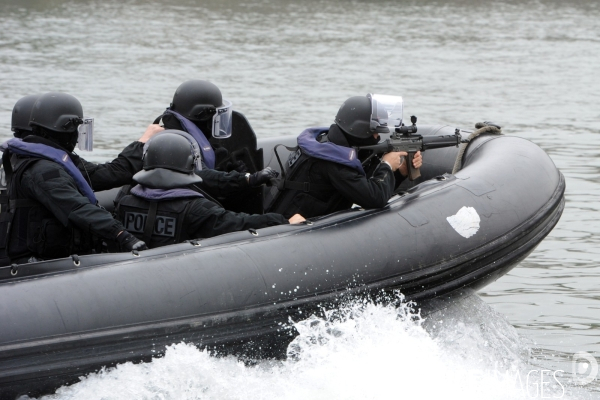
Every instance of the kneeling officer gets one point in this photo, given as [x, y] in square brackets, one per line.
[166, 208]
[326, 174]
[53, 211]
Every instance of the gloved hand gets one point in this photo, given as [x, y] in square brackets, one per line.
[128, 242]
[264, 176]
[238, 166]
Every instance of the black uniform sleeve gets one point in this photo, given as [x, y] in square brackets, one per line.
[373, 192]
[206, 219]
[48, 183]
[374, 164]
[219, 183]
[115, 173]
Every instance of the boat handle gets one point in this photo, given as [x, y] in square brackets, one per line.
[76, 261]
[14, 269]
[253, 232]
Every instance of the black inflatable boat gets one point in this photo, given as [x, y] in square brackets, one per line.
[446, 235]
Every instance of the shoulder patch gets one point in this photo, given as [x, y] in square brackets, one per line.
[51, 175]
[208, 205]
[293, 157]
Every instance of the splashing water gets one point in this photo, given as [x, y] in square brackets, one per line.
[359, 351]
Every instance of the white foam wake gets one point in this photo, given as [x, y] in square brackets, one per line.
[360, 351]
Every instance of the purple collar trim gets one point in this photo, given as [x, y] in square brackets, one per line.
[39, 150]
[162, 194]
[328, 151]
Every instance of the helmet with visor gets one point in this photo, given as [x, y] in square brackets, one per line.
[201, 102]
[61, 117]
[362, 116]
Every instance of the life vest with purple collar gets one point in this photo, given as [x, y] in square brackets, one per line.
[295, 176]
[163, 194]
[208, 154]
[39, 150]
[328, 151]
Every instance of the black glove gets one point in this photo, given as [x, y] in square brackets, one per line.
[128, 242]
[238, 166]
[264, 176]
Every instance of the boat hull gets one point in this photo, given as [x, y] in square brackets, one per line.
[237, 292]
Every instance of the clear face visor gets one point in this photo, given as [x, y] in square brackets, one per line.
[221, 122]
[386, 110]
[85, 138]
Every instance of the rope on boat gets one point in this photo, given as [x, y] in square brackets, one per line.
[482, 127]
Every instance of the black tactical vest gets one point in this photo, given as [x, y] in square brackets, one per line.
[28, 229]
[156, 223]
[295, 194]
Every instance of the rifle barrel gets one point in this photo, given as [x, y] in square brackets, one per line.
[437, 142]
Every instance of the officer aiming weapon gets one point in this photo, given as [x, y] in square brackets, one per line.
[404, 138]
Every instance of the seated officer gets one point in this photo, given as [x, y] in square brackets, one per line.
[199, 109]
[53, 210]
[326, 174]
[166, 208]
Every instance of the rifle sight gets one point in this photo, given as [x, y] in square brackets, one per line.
[408, 130]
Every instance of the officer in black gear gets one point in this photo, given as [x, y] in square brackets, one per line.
[196, 106]
[166, 207]
[333, 178]
[53, 211]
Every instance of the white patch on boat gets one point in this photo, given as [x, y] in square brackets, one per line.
[465, 222]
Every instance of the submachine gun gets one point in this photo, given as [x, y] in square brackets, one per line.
[404, 138]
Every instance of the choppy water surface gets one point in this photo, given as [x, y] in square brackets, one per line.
[528, 66]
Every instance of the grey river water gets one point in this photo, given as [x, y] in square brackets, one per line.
[527, 65]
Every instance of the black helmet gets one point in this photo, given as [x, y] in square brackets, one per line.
[195, 147]
[197, 100]
[169, 161]
[355, 118]
[21, 114]
[57, 112]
